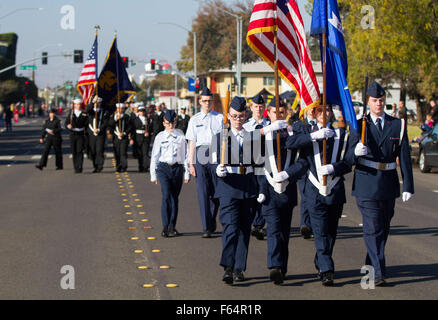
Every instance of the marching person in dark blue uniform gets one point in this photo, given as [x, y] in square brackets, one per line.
[97, 124]
[77, 122]
[203, 126]
[140, 138]
[237, 191]
[120, 126]
[169, 164]
[52, 135]
[324, 203]
[257, 121]
[376, 183]
[278, 192]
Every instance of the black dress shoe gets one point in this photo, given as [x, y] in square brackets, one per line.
[39, 167]
[238, 276]
[258, 233]
[228, 276]
[318, 275]
[380, 282]
[95, 170]
[165, 234]
[206, 234]
[118, 170]
[306, 232]
[173, 232]
[327, 278]
[276, 276]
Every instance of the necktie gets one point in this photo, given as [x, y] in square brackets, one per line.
[379, 125]
[314, 126]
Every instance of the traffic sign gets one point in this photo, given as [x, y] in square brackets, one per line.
[162, 71]
[31, 67]
[191, 84]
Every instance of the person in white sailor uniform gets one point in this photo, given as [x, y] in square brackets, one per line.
[324, 203]
[203, 126]
[257, 121]
[140, 138]
[77, 122]
[278, 192]
[97, 125]
[237, 191]
[52, 135]
[120, 126]
[169, 166]
[376, 183]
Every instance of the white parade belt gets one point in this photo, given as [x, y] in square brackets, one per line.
[239, 169]
[279, 187]
[78, 129]
[378, 165]
[140, 131]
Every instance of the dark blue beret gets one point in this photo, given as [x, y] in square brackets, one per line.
[238, 104]
[258, 99]
[272, 103]
[170, 115]
[205, 92]
[375, 90]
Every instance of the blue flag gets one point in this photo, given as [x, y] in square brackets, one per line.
[114, 79]
[326, 19]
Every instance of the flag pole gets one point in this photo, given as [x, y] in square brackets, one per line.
[324, 102]
[97, 79]
[117, 75]
[225, 133]
[277, 95]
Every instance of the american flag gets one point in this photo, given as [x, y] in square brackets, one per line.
[293, 54]
[88, 79]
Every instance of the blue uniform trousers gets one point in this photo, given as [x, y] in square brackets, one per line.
[235, 216]
[278, 222]
[324, 219]
[304, 212]
[205, 187]
[376, 216]
[171, 180]
[259, 221]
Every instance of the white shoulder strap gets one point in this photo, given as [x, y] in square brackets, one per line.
[402, 130]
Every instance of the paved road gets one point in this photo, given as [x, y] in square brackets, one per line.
[52, 219]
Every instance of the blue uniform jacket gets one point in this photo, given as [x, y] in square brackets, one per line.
[376, 184]
[295, 171]
[236, 186]
[301, 140]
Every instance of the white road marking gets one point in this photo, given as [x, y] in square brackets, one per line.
[7, 157]
[343, 216]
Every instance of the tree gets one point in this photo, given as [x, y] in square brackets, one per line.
[216, 36]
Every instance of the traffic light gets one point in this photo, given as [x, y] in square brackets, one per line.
[197, 86]
[153, 64]
[125, 62]
[78, 56]
[44, 58]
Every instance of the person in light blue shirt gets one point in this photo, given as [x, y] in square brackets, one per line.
[202, 127]
[169, 166]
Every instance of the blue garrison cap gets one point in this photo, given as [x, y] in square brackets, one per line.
[272, 103]
[205, 92]
[258, 99]
[170, 115]
[238, 104]
[375, 90]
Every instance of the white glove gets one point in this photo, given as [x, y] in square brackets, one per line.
[277, 125]
[281, 176]
[221, 171]
[406, 196]
[326, 170]
[261, 198]
[323, 133]
[360, 150]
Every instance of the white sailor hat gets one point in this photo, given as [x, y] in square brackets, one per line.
[77, 101]
[141, 108]
[120, 105]
[97, 99]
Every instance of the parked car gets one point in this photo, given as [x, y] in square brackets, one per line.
[428, 151]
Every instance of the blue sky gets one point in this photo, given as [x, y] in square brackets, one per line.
[138, 35]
